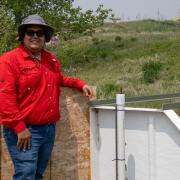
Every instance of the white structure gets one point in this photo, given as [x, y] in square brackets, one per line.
[152, 150]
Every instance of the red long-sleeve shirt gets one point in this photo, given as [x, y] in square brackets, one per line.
[30, 90]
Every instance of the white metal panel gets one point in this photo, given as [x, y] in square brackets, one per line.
[152, 144]
[136, 135]
[103, 147]
[168, 149]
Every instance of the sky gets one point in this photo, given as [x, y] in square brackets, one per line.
[136, 9]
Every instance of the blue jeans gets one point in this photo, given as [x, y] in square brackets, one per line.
[31, 164]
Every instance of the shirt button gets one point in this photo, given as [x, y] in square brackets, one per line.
[29, 88]
[51, 110]
[50, 97]
[46, 72]
[48, 85]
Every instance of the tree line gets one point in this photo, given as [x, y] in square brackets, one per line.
[60, 14]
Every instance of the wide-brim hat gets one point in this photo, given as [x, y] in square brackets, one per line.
[35, 20]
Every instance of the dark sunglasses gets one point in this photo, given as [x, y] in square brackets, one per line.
[38, 33]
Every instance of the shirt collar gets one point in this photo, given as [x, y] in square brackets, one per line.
[24, 52]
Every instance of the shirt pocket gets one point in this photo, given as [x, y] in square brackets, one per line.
[29, 78]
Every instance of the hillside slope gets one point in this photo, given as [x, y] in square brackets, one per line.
[142, 57]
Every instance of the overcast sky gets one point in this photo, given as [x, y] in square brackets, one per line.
[136, 9]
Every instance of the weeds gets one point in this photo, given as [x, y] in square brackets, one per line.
[151, 71]
[150, 54]
[118, 38]
[107, 89]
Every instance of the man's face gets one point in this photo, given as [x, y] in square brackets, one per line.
[34, 39]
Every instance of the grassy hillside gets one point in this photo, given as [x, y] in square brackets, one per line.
[142, 57]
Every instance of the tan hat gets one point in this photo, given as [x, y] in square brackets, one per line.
[34, 20]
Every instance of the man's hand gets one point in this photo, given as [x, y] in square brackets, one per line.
[24, 141]
[88, 90]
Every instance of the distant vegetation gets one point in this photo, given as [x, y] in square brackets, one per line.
[142, 57]
[68, 21]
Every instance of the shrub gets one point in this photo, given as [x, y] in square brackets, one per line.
[120, 45]
[118, 38]
[7, 31]
[107, 90]
[95, 40]
[151, 70]
[103, 54]
[133, 39]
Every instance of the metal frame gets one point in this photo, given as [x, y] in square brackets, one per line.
[135, 99]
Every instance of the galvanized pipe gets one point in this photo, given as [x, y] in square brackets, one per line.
[120, 137]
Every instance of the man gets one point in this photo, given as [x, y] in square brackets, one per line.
[30, 81]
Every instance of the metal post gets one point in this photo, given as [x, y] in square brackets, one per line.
[120, 137]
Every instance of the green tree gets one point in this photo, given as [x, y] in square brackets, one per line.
[60, 14]
[7, 33]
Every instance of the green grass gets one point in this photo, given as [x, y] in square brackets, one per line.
[114, 56]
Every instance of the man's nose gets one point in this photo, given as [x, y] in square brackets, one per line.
[35, 35]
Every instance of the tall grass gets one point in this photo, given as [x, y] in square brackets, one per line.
[151, 71]
[115, 55]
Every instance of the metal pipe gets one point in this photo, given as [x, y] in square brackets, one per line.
[116, 145]
[120, 137]
[136, 99]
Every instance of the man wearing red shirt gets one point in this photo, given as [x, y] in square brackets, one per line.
[30, 81]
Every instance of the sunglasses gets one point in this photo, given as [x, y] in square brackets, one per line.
[38, 33]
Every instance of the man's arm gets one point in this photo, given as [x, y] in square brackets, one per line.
[78, 84]
[10, 116]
